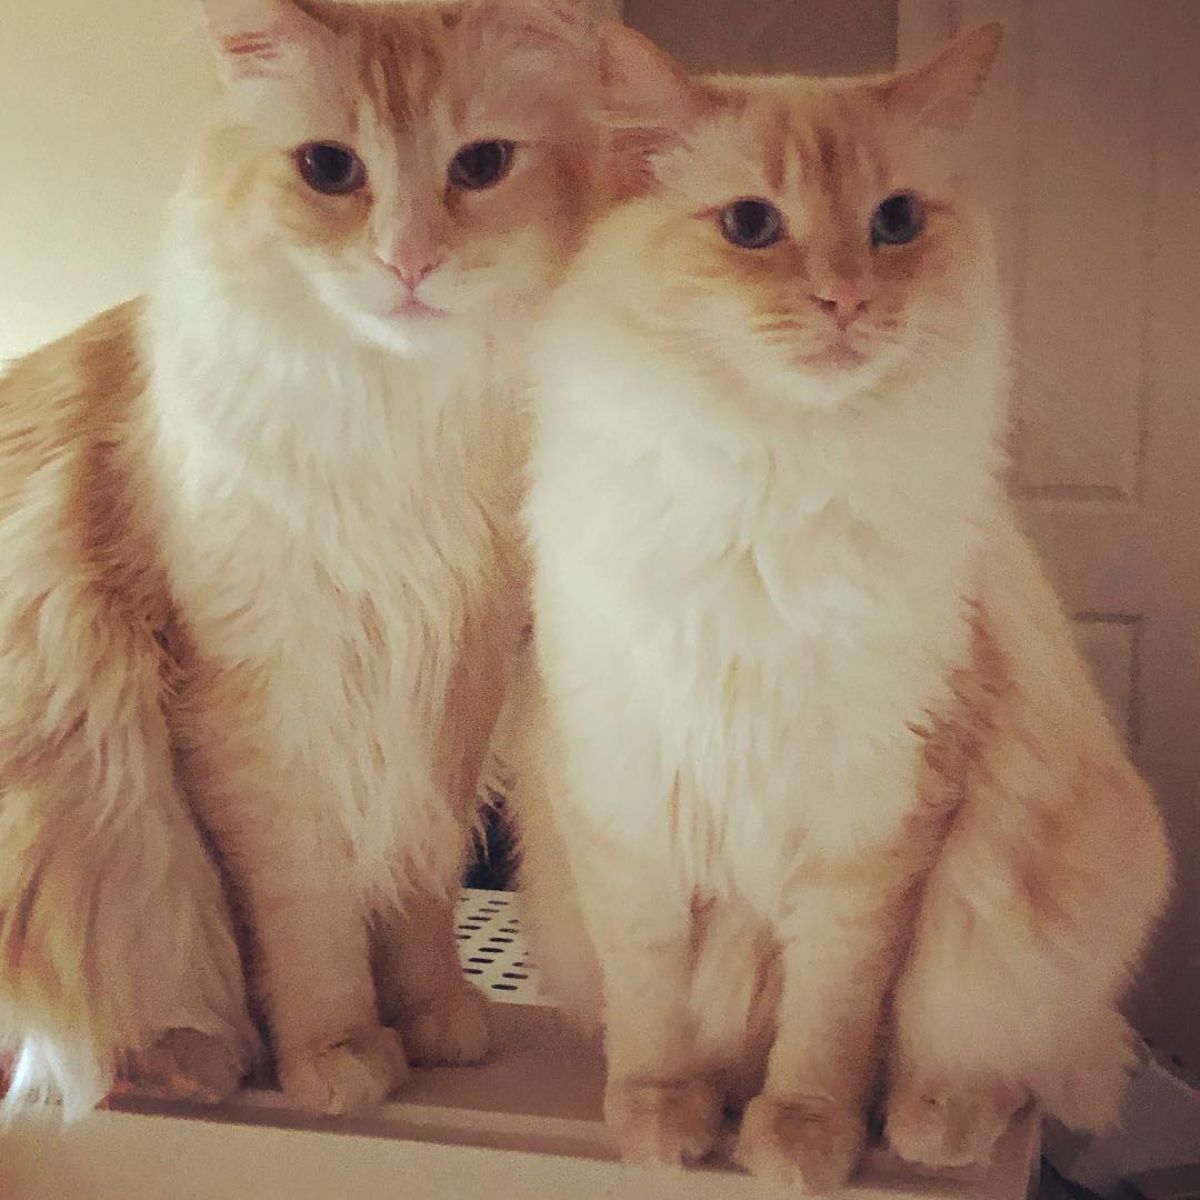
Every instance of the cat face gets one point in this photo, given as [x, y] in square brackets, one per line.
[809, 233]
[416, 167]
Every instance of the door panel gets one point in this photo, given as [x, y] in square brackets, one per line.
[1087, 148]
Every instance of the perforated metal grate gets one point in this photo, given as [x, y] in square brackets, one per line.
[492, 950]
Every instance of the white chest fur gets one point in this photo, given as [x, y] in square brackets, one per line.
[776, 606]
[333, 517]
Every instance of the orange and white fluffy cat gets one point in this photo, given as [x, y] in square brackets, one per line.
[260, 574]
[812, 730]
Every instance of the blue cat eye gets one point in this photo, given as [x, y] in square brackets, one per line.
[898, 220]
[330, 168]
[751, 224]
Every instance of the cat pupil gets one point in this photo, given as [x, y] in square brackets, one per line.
[752, 224]
[481, 164]
[897, 220]
[330, 168]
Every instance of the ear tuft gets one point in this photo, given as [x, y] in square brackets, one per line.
[262, 39]
[649, 100]
[642, 85]
[942, 94]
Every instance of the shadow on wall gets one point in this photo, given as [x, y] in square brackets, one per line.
[812, 37]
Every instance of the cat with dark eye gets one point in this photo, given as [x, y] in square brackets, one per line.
[898, 220]
[481, 165]
[751, 224]
[335, 170]
[330, 168]
[755, 224]
[277, 575]
[808, 706]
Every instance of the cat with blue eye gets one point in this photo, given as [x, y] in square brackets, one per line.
[816, 799]
[263, 573]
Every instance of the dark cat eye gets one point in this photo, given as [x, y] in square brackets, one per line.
[752, 224]
[481, 165]
[898, 220]
[330, 168]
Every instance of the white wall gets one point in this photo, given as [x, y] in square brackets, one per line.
[99, 101]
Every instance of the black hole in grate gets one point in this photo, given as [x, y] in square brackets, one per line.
[507, 941]
[472, 971]
[514, 975]
[474, 959]
[504, 987]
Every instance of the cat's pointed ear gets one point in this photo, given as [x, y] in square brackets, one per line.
[942, 93]
[263, 39]
[644, 88]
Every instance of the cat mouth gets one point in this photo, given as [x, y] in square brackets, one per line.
[412, 308]
[839, 353]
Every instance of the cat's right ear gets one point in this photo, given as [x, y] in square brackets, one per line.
[650, 101]
[262, 40]
[942, 93]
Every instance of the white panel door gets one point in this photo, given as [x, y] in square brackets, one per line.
[1088, 150]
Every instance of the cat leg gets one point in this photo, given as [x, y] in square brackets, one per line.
[551, 918]
[955, 1077]
[423, 993]
[422, 990]
[949, 1120]
[312, 969]
[807, 1128]
[658, 1106]
[120, 967]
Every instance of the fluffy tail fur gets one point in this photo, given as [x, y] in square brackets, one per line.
[113, 926]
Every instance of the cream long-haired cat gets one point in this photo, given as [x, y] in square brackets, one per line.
[260, 570]
[801, 672]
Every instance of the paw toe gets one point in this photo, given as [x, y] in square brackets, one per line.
[812, 1147]
[453, 1033]
[353, 1074]
[663, 1124]
[950, 1127]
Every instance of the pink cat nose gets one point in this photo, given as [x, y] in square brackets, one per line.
[845, 300]
[414, 264]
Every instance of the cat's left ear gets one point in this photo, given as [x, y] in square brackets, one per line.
[942, 93]
[264, 39]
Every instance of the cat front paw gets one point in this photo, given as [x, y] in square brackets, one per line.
[663, 1124]
[184, 1064]
[944, 1124]
[351, 1075]
[808, 1145]
[451, 1032]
